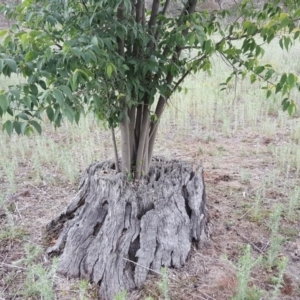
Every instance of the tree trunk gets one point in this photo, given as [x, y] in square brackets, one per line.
[114, 231]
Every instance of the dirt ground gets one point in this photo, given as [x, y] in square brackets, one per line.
[210, 273]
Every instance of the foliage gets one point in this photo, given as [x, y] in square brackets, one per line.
[122, 61]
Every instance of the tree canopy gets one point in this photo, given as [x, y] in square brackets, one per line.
[122, 60]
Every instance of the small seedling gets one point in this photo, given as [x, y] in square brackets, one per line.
[163, 284]
[275, 240]
[244, 267]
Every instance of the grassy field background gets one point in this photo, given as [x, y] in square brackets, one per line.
[251, 156]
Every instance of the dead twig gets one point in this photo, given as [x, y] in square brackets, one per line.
[247, 240]
[44, 192]
[173, 279]
[12, 266]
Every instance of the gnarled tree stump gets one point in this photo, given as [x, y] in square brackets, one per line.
[114, 231]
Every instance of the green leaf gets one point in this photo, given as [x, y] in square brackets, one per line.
[191, 37]
[58, 95]
[15, 93]
[259, 69]
[291, 108]
[287, 42]
[33, 100]
[67, 91]
[281, 43]
[94, 41]
[252, 78]
[34, 89]
[17, 127]
[31, 55]
[48, 53]
[50, 113]
[42, 84]
[291, 80]
[283, 79]
[278, 88]
[269, 92]
[285, 103]
[7, 40]
[3, 32]
[97, 101]
[77, 117]
[4, 103]
[26, 89]
[68, 112]
[8, 125]
[27, 101]
[11, 63]
[228, 79]
[36, 125]
[109, 70]
[23, 116]
[28, 130]
[77, 52]
[269, 74]
[23, 127]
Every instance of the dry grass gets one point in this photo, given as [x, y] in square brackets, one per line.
[250, 152]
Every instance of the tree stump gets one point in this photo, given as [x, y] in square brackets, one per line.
[114, 231]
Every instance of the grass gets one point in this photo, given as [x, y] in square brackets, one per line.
[237, 134]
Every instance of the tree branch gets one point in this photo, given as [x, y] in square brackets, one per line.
[154, 12]
[115, 149]
[84, 5]
[132, 124]
[120, 15]
[162, 13]
[144, 135]
[139, 11]
[152, 22]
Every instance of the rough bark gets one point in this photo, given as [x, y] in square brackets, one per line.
[113, 231]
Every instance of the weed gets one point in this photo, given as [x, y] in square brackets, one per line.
[83, 287]
[32, 252]
[245, 175]
[209, 139]
[221, 149]
[200, 150]
[244, 267]
[163, 284]
[278, 281]
[256, 214]
[121, 296]
[39, 281]
[293, 204]
[10, 231]
[275, 239]
[290, 232]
